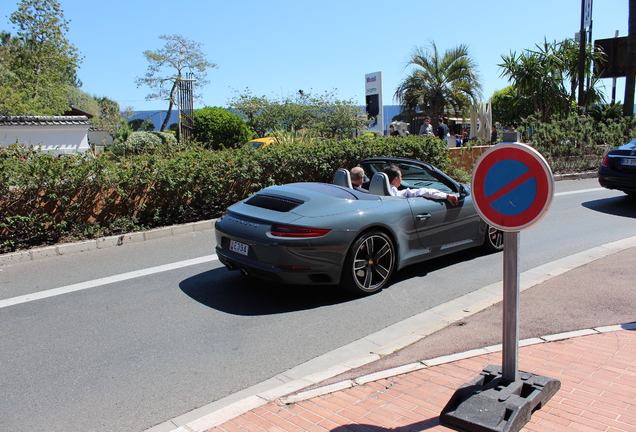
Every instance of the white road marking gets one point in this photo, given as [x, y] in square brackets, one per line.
[104, 281]
[580, 191]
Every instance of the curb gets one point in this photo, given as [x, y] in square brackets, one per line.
[576, 176]
[104, 242]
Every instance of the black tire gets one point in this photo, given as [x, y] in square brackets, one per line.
[369, 264]
[494, 240]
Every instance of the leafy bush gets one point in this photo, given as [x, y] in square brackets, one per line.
[576, 143]
[145, 142]
[217, 128]
[142, 125]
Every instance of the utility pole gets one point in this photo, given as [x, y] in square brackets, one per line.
[582, 43]
[630, 67]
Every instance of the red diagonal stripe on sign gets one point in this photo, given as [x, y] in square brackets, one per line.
[510, 186]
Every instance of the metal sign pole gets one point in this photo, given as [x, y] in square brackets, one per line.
[510, 306]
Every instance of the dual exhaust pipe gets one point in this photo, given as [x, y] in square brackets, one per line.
[232, 266]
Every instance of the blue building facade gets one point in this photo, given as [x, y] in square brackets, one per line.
[156, 117]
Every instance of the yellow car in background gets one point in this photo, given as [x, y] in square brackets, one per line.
[263, 142]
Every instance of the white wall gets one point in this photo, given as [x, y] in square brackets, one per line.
[57, 139]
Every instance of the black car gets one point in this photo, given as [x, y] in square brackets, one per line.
[618, 169]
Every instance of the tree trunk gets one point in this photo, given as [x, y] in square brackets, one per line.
[630, 69]
[173, 91]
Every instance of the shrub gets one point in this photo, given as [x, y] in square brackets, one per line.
[217, 128]
[576, 143]
[167, 138]
[146, 143]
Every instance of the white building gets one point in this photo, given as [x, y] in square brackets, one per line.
[54, 134]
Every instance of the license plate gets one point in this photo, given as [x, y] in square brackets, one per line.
[238, 247]
[626, 161]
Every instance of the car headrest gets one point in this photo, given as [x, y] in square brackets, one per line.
[342, 178]
[380, 185]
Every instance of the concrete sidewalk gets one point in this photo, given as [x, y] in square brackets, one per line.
[596, 368]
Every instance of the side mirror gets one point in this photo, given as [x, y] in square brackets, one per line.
[464, 191]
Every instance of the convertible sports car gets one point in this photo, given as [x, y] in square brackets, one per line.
[320, 233]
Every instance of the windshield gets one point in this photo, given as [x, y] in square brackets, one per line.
[413, 176]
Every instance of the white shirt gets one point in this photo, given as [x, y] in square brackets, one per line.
[421, 192]
[426, 129]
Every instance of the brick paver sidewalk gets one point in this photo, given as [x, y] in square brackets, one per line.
[598, 393]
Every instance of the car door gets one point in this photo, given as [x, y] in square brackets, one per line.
[442, 227]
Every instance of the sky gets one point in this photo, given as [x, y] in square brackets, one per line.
[276, 47]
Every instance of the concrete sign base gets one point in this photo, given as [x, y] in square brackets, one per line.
[490, 403]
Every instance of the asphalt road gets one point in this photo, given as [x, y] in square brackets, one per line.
[136, 350]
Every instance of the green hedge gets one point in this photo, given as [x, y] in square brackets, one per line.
[576, 144]
[45, 199]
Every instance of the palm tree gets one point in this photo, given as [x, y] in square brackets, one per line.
[439, 84]
[539, 76]
[548, 77]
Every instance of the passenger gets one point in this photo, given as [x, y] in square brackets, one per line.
[357, 179]
[395, 179]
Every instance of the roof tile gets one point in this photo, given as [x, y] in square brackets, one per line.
[43, 120]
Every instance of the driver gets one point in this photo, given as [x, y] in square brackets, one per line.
[395, 179]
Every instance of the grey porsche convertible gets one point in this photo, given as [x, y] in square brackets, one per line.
[324, 233]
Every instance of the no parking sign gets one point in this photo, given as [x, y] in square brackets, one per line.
[512, 186]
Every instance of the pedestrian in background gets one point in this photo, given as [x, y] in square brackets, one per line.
[442, 129]
[493, 135]
[427, 128]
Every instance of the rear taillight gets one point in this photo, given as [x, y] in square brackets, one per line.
[605, 161]
[298, 232]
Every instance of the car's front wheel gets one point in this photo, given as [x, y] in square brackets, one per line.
[369, 264]
[494, 241]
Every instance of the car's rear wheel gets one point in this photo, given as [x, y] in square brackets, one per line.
[494, 241]
[369, 264]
